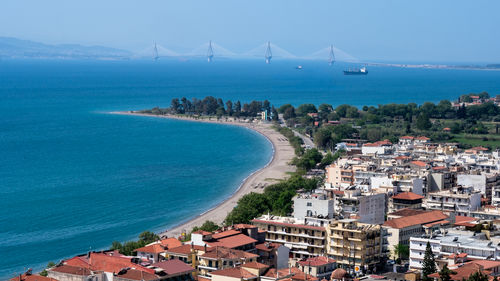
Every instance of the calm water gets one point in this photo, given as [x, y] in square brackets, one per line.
[74, 178]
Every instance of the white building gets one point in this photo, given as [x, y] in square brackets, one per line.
[460, 202]
[370, 207]
[312, 205]
[447, 244]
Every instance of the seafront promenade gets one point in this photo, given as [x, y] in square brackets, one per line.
[277, 169]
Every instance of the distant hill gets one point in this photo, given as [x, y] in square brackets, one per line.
[17, 48]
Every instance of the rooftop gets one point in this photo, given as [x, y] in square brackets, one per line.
[407, 196]
[420, 219]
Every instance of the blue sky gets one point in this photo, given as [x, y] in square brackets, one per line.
[397, 30]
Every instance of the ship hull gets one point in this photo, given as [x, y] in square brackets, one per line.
[355, 72]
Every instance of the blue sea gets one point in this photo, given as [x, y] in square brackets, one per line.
[74, 178]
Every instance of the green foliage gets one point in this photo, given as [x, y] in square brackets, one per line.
[128, 248]
[428, 265]
[306, 108]
[289, 113]
[209, 226]
[308, 160]
[329, 136]
[445, 273]
[44, 271]
[401, 251]
[423, 122]
[330, 158]
[294, 140]
[478, 276]
[276, 199]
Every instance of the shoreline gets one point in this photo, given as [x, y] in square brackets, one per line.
[276, 169]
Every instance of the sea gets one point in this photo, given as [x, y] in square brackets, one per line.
[74, 178]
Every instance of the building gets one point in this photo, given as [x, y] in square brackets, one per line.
[405, 200]
[377, 148]
[368, 207]
[218, 258]
[460, 201]
[312, 205]
[400, 230]
[273, 254]
[319, 267]
[302, 239]
[29, 276]
[112, 266]
[356, 247]
[448, 244]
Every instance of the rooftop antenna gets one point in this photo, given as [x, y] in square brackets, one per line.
[269, 54]
[155, 52]
[210, 52]
[331, 59]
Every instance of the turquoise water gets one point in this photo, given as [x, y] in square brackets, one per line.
[73, 178]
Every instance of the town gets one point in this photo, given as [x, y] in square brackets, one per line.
[404, 209]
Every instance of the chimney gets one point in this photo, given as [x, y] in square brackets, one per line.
[192, 245]
[205, 247]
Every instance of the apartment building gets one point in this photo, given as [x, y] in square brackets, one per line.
[356, 247]
[405, 200]
[313, 205]
[459, 200]
[368, 207]
[448, 244]
[302, 239]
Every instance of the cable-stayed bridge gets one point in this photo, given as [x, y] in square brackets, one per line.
[324, 54]
[156, 51]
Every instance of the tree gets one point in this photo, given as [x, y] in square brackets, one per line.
[401, 251]
[49, 265]
[445, 273]
[309, 160]
[229, 108]
[237, 108]
[274, 114]
[174, 106]
[148, 237]
[289, 113]
[429, 265]
[284, 107]
[209, 226]
[478, 276]
[303, 109]
[423, 122]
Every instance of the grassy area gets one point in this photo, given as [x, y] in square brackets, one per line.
[490, 141]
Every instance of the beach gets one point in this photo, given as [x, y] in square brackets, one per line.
[277, 169]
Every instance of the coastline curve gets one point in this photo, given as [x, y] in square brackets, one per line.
[277, 168]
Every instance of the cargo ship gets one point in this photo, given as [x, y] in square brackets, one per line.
[356, 71]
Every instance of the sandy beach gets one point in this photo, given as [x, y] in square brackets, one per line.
[277, 169]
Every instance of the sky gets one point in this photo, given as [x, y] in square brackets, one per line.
[372, 30]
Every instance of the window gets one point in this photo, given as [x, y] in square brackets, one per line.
[309, 204]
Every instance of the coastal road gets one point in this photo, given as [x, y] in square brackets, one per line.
[307, 141]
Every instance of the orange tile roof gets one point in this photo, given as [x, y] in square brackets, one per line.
[437, 168]
[153, 248]
[406, 212]
[464, 271]
[171, 242]
[407, 196]
[420, 219]
[99, 261]
[134, 274]
[441, 222]
[228, 254]
[75, 270]
[267, 247]
[486, 264]
[255, 264]
[244, 226]
[174, 267]
[479, 148]
[317, 261]
[422, 138]
[235, 272]
[225, 233]
[406, 138]
[419, 163]
[184, 249]
[234, 241]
